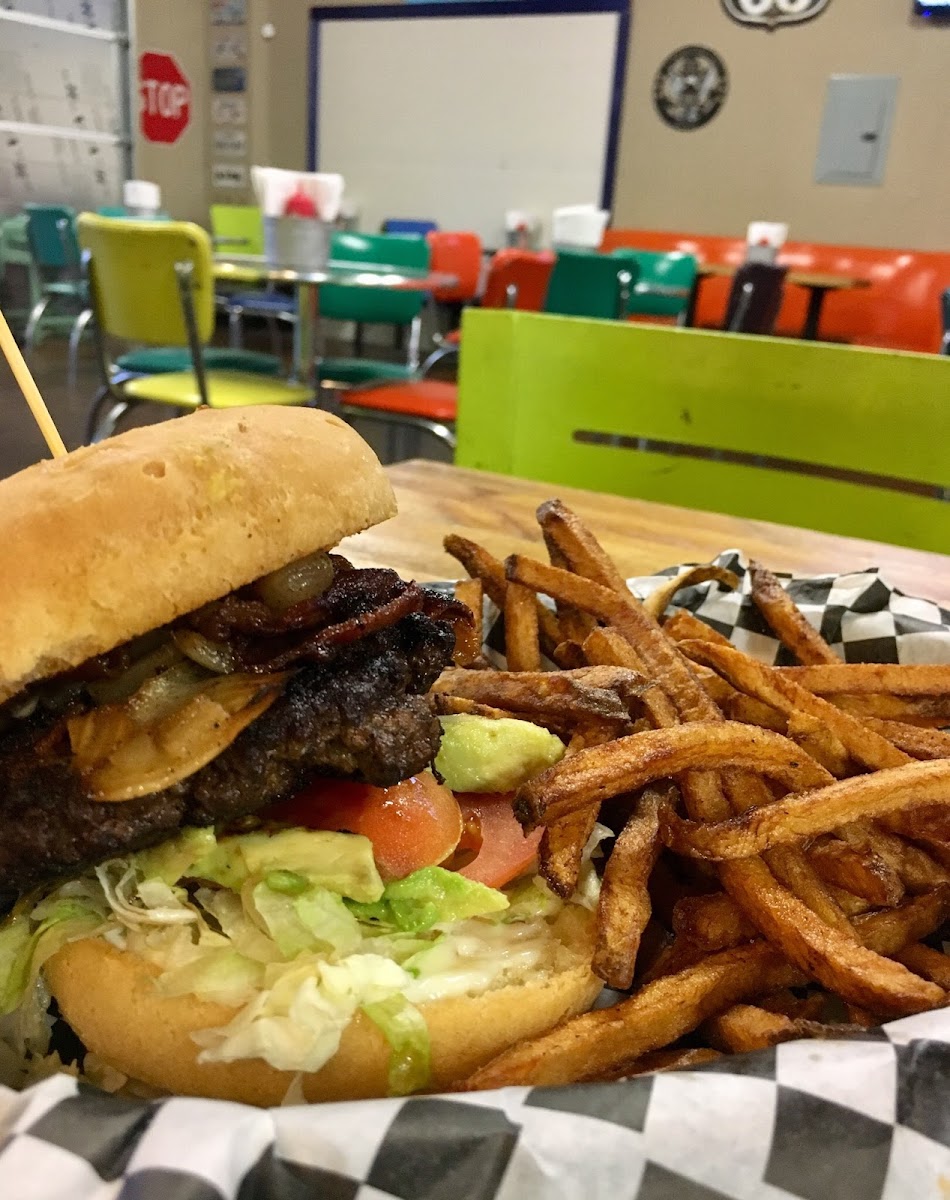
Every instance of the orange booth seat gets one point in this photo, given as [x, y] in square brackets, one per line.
[900, 310]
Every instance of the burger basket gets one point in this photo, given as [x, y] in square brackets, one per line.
[862, 1118]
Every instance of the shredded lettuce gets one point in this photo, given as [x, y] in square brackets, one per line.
[25, 946]
[402, 1025]
[429, 897]
[292, 930]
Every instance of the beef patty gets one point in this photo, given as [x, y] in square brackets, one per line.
[364, 715]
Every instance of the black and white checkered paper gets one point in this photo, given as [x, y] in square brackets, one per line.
[867, 1118]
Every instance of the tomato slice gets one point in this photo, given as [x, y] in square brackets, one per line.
[413, 824]
[503, 850]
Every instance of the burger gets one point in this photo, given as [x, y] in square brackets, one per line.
[231, 860]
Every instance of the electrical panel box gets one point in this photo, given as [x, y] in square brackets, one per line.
[856, 129]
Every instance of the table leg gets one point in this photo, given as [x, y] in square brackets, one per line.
[305, 335]
[816, 298]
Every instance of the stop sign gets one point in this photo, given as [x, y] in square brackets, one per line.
[166, 97]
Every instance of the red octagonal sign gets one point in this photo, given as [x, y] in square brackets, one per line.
[166, 97]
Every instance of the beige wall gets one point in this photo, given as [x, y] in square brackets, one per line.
[754, 160]
[178, 27]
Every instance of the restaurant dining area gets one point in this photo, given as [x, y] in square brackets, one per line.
[475, 622]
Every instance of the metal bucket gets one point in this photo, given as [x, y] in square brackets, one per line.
[297, 243]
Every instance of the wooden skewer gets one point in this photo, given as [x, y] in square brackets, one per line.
[21, 372]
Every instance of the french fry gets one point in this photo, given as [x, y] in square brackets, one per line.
[660, 599]
[931, 964]
[624, 907]
[448, 706]
[748, 710]
[745, 1027]
[656, 1015]
[807, 1008]
[819, 741]
[630, 763]
[601, 693]
[786, 620]
[682, 625]
[796, 817]
[561, 848]
[866, 746]
[856, 679]
[656, 1061]
[468, 639]
[481, 565]
[863, 874]
[522, 650]
[780, 690]
[928, 712]
[912, 739]
[712, 922]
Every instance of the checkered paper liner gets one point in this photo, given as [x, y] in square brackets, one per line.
[866, 1118]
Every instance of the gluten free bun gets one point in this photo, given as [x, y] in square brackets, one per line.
[116, 539]
[109, 998]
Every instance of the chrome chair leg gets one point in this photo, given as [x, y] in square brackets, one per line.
[436, 356]
[75, 336]
[33, 321]
[235, 327]
[106, 413]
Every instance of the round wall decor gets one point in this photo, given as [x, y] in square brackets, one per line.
[772, 13]
[690, 87]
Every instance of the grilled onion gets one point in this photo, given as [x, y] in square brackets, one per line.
[301, 580]
[120, 757]
[213, 656]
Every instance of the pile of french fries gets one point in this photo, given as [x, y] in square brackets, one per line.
[782, 835]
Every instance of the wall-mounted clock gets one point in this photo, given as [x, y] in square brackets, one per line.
[690, 87]
[772, 13]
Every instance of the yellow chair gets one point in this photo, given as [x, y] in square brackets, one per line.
[152, 282]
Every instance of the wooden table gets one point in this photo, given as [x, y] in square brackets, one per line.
[817, 283]
[498, 511]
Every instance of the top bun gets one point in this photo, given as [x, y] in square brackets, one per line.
[116, 539]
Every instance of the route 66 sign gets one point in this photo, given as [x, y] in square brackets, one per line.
[771, 13]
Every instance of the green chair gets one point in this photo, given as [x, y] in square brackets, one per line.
[587, 284]
[810, 434]
[152, 282]
[51, 233]
[239, 228]
[378, 253]
[15, 252]
[664, 284]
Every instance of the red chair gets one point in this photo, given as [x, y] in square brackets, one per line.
[516, 279]
[458, 254]
[428, 405]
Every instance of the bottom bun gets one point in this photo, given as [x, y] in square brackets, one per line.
[109, 998]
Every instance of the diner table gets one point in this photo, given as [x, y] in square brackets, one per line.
[817, 283]
[642, 537]
[252, 268]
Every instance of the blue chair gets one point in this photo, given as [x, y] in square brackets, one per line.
[51, 233]
[405, 226]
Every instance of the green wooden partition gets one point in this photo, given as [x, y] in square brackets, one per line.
[689, 417]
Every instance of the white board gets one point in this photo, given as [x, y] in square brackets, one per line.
[458, 119]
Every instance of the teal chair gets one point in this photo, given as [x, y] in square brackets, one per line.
[587, 284]
[664, 284]
[810, 434]
[374, 306]
[51, 233]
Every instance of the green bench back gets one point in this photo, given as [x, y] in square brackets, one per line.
[688, 417]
